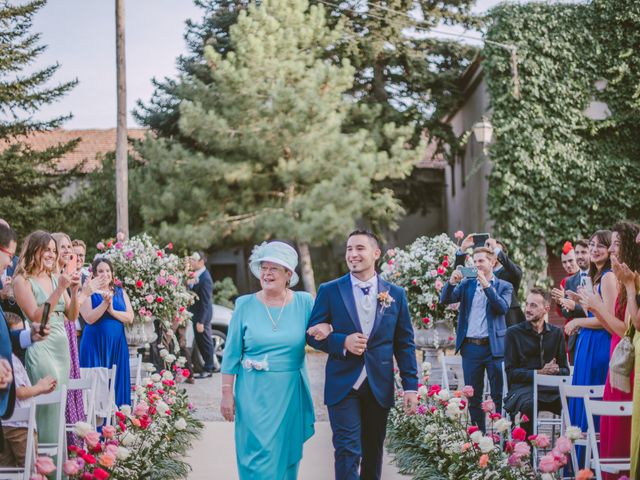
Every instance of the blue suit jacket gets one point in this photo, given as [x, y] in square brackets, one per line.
[498, 301]
[392, 335]
[202, 309]
[8, 395]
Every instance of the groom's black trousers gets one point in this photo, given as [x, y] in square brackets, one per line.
[359, 427]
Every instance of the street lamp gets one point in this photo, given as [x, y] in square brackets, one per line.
[483, 131]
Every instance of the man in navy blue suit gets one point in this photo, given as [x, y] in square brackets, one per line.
[371, 325]
[484, 302]
[202, 310]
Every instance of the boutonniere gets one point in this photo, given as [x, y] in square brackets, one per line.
[385, 300]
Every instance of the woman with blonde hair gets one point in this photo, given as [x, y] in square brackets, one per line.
[75, 407]
[36, 283]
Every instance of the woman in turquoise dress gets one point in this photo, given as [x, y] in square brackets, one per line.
[104, 343]
[34, 284]
[264, 360]
[592, 348]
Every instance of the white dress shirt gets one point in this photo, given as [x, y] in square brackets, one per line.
[366, 307]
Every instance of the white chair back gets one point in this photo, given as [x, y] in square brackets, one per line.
[88, 387]
[58, 449]
[104, 391]
[450, 364]
[546, 381]
[135, 369]
[578, 391]
[28, 415]
[599, 408]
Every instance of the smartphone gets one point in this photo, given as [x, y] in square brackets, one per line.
[72, 265]
[469, 272]
[45, 317]
[479, 239]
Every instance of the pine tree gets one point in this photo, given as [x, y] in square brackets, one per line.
[261, 150]
[31, 187]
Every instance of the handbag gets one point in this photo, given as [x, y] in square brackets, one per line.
[622, 360]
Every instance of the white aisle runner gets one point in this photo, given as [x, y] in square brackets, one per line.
[214, 456]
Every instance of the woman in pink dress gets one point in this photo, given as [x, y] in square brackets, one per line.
[615, 432]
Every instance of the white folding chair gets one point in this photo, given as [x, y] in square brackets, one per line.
[135, 372]
[578, 391]
[505, 390]
[599, 408]
[554, 422]
[26, 414]
[104, 392]
[58, 449]
[451, 364]
[88, 387]
[112, 394]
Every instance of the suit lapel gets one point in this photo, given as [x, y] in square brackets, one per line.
[383, 286]
[346, 292]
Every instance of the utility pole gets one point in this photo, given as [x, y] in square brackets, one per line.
[122, 175]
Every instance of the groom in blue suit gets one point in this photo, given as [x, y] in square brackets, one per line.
[371, 326]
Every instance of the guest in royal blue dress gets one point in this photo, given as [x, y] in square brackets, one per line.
[103, 341]
[592, 348]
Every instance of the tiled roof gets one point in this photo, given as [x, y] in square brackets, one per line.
[93, 144]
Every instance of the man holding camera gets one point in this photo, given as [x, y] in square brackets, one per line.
[484, 301]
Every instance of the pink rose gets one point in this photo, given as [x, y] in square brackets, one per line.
[547, 464]
[120, 236]
[45, 465]
[111, 449]
[129, 254]
[439, 285]
[488, 406]
[119, 245]
[522, 449]
[563, 444]
[107, 460]
[108, 431]
[434, 273]
[162, 281]
[514, 460]
[100, 246]
[391, 252]
[459, 235]
[149, 298]
[519, 434]
[141, 409]
[542, 441]
[70, 467]
[467, 391]
[92, 439]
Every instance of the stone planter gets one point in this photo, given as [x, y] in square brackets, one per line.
[433, 342]
[140, 334]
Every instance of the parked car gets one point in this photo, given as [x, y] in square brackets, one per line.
[219, 327]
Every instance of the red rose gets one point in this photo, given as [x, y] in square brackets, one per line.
[100, 474]
[524, 418]
[86, 476]
[181, 309]
[519, 434]
[87, 457]
[441, 270]
[109, 243]
[446, 257]
[139, 284]
[121, 416]
[122, 426]
[159, 253]
[445, 263]
[425, 320]
[159, 299]
[471, 429]
[170, 246]
[414, 282]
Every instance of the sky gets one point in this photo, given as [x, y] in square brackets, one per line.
[80, 36]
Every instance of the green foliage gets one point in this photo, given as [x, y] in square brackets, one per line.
[261, 150]
[31, 189]
[224, 292]
[557, 174]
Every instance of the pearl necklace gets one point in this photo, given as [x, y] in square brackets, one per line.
[275, 323]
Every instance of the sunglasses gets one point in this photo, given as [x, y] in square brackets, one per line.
[10, 254]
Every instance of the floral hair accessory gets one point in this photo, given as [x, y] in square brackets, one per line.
[385, 300]
[566, 248]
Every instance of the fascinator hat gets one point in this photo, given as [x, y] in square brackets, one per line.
[274, 252]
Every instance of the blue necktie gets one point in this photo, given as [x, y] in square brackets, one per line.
[365, 290]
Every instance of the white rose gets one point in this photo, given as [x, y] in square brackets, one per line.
[141, 391]
[82, 428]
[423, 391]
[146, 380]
[181, 424]
[476, 436]
[122, 453]
[182, 361]
[503, 425]
[162, 408]
[149, 367]
[444, 395]
[573, 433]
[547, 476]
[126, 409]
[155, 378]
[485, 444]
[167, 375]
[163, 353]
[170, 358]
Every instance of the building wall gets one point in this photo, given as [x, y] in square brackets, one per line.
[466, 180]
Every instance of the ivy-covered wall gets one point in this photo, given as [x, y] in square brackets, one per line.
[557, 174]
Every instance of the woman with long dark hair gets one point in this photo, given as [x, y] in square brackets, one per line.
[104, 343]
[592, 346]
[615, 432]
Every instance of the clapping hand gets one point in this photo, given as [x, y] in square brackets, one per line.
[572, 326]
[557, 294]
[623, 273]
[6, 373]
[589, 300]
[320, 331]
[482, 279]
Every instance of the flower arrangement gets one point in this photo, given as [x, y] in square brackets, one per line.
[154, 279]
[422, 268]
[148, 441]
[439, 442]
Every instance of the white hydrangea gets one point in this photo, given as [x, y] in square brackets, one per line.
[122, 453]
[476, 436]
[82, 428]
[573, 433]
[503, 425]
[181, 424]
[167, 375]
[128, 438]
[155, 378]
[126, 409]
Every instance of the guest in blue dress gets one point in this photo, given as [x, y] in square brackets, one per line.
[264, 358]
[104, 343]
[592, 347]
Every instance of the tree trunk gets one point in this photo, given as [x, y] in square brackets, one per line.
[306, 267]
[122, 176]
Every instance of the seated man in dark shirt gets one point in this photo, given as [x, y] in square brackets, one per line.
[533, 346]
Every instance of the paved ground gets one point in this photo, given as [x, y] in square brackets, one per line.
[213, 455]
